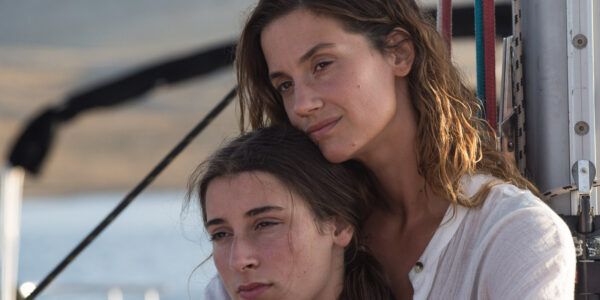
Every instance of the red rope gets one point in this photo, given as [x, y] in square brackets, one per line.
[444, 22]
[489, 41]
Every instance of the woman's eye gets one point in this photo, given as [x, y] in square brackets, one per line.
[284, 86]
[265, 224]
[219, 236]
[322, 65]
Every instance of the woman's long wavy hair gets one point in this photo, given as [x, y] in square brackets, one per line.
[452, 140]
[346, 191]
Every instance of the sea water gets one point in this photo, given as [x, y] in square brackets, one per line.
[151, 247]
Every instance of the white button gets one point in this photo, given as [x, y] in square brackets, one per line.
[418, 267]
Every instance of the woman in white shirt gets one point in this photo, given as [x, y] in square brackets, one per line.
[372, 81]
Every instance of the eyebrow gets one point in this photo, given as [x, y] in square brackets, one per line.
[262, 210]
[250, 213]
[305, 57]
[313, 50]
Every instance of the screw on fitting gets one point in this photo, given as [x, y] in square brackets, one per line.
[582, 128]
[580, 41]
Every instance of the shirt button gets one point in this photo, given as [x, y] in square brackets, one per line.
[418, 267]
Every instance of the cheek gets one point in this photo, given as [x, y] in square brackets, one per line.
[221, 260]
[309, 249]
[288, 106]
[277, 254]
[376, 99]
[280, 261]
[377, 85]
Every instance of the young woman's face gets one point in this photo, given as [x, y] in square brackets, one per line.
[268, 246]
[335, 86]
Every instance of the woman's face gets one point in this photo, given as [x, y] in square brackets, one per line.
[266, 246]
[335, 86]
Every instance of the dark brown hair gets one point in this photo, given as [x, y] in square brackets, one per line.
[452, 140]
[347, 191]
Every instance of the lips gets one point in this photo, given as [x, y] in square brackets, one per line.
[320, 129]
[252, 290]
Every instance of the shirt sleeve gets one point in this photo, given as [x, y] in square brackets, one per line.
[530, 255]
[215, 290]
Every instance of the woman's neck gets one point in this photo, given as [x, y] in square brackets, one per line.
[404, 187]
[394, 162]
[392, 156]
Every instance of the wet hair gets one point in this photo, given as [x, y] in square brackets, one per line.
[452, 140]
[346, 191]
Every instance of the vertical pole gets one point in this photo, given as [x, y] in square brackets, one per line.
[581, 43]
[480, 55]
[489, 41]
[560, 61]
[518, 96]
[544, 35]
[580, 58]
[11, 188]
[444, 22]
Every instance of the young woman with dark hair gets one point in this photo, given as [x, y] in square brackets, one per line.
[285, 222]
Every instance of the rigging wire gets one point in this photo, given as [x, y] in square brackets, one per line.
[134, 193]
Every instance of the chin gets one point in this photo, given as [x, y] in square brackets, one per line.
[334, 155]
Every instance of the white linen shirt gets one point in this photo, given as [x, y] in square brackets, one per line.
[511, 247]
[215, 290]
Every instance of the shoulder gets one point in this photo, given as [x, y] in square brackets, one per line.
[518, 233]
[506, 203]
[518, 217]
[512, 215]
[215, 290]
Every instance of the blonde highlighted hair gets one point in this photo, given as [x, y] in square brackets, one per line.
[452, 141]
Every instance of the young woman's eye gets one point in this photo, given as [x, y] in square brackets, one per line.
[322, 65]
[265, 224]
[284, 86]
[217, 236]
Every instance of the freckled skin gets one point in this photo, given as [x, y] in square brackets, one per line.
[358, 85]
[282, 249]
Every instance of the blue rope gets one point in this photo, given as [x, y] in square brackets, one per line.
[480, 55]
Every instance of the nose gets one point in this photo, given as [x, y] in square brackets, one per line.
[243, 255]
[306, 99]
